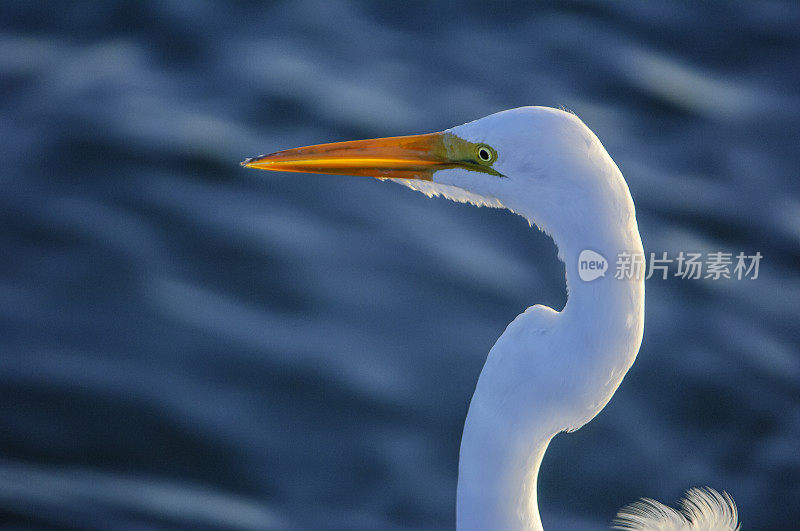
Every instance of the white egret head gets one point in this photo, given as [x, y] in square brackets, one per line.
[546, 165]
[542, 163]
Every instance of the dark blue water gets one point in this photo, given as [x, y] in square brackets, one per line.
[188, 344]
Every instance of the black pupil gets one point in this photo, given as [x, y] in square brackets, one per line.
[484, 154]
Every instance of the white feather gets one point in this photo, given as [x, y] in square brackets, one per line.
[453, 193]
[702, 509]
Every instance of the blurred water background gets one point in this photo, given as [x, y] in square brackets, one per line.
[188, 344]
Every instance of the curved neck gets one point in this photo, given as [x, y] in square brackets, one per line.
[497, 478]
[550, 372]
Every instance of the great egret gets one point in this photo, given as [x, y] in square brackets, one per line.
[549, 371]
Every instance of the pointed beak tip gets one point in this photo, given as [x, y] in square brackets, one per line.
[247, 163]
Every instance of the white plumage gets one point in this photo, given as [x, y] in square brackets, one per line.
[700, 510]
[554, 371]
[550, 371]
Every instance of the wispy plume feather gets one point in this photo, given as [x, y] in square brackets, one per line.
[701, 509]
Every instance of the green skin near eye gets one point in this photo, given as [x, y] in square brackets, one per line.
[467, 154]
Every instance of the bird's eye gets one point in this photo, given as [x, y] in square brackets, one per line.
[485, 153]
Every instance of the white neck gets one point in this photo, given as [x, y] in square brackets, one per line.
[551, 371]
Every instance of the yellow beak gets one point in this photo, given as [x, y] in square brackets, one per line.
[400, 157]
